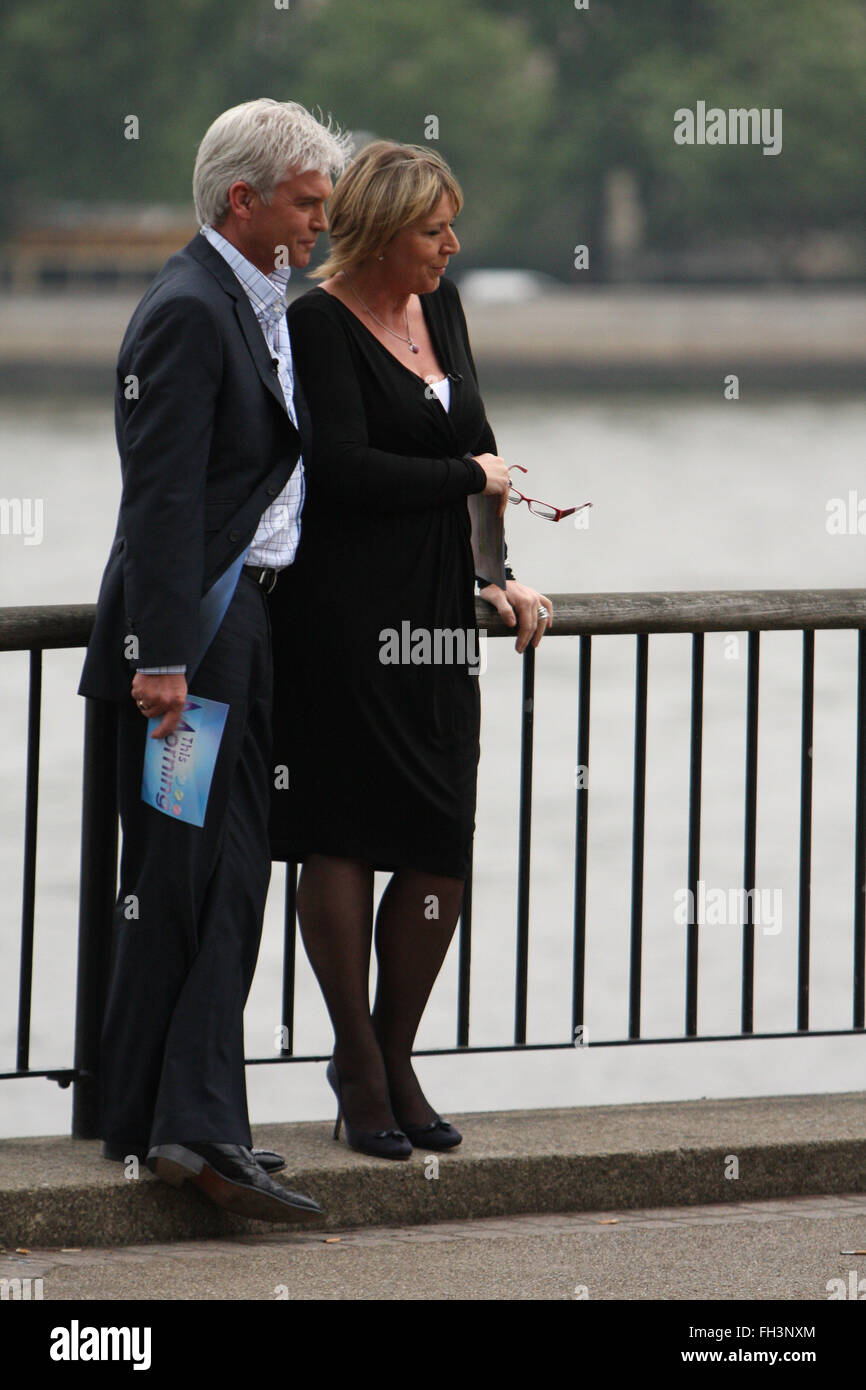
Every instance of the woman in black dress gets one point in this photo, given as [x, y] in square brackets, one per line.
[376, 709]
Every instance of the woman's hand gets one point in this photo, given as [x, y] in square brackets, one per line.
[498, 480]
[521, 606]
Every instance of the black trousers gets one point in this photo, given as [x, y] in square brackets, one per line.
[188, 918]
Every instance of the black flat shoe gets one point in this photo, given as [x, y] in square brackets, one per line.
[267, 1159]
[230, 1177]
[438, 1134]
[382, 1143]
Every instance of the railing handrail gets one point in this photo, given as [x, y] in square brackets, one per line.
[628, 613]
[49, 626]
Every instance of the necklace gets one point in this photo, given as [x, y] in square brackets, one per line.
[413, 347]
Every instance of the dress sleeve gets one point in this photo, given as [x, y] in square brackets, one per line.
[351, 475]
[486, 443]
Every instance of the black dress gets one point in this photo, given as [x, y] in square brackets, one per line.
[380, 755]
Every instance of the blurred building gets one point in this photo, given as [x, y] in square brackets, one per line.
[81, 245]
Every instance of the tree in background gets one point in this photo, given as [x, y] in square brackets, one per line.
[71, 74]
[536, 103]
[623, 68]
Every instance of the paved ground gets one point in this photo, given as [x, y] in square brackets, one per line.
[784, 1249]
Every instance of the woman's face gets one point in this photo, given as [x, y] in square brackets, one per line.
[417, 256]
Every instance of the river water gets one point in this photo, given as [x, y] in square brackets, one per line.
[688, 493]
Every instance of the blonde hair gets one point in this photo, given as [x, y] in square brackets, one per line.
[385, 188]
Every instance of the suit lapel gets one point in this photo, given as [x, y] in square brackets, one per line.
[255, 340]
[201, 249]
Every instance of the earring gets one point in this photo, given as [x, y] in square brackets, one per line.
[382, 257]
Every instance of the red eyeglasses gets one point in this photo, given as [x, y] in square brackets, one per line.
[542, 509]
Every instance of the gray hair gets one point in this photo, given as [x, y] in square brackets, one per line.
[262, 142]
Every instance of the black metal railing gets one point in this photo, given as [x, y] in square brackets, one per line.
[581, 616]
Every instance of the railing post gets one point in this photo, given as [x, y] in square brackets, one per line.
[287, 1023]
[859, 1000]
[96, 908]
[637, 838]
[581, 832]
[747, 1020]
[28, 892]
[524, 844]
[805, 880]
[696, 744]
[464, 960]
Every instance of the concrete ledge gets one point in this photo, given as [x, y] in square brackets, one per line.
[61, 1192]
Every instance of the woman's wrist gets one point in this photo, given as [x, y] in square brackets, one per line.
[476, 471]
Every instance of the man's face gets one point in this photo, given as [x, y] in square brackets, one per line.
[286, 227]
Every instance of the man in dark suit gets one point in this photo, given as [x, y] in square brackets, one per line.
[211, 430]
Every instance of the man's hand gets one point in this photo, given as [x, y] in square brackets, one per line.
[520, 607]
[160, 695]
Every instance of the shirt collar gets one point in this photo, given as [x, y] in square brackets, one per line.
[266, 293]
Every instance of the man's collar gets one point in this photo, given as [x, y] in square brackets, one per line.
[269, 290]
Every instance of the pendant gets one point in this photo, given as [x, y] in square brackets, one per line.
[413, 348]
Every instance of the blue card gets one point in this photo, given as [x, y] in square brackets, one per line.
[178, 769]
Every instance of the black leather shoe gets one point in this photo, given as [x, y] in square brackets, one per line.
[231, 1178]
[266, 1158]
[438, 1134]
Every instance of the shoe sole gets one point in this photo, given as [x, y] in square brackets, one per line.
[175, 1166]
[374, 1153]
[442, 1146]
[115, 1155]
[434, 1148]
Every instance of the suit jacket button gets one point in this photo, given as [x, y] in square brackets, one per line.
[234, 535]
[272, 491]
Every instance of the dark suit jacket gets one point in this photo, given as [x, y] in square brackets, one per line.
[206, 444]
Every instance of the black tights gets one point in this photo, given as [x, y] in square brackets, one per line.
[414, 926]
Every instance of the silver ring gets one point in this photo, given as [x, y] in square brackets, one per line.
[543, 613]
